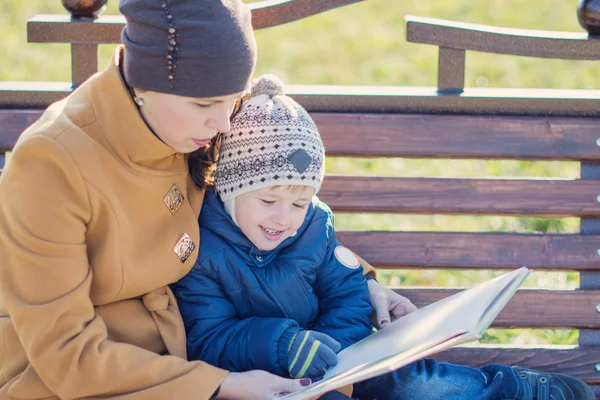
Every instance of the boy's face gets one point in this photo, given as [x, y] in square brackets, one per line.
[269, 216]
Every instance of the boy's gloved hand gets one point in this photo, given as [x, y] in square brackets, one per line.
[311, 353]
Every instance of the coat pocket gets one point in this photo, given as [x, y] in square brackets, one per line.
[129, 321]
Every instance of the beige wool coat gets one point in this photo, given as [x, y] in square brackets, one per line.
[91, 227]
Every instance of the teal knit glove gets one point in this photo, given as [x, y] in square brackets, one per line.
[311, 353]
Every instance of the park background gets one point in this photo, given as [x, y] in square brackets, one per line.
[365, 44]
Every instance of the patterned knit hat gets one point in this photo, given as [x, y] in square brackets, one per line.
[272, 141]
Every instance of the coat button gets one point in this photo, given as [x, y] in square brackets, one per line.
[259, 258]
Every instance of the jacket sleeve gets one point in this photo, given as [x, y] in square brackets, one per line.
[344, 302]
[217, 336]
[45, 283]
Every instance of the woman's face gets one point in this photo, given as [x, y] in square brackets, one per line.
[186, 123]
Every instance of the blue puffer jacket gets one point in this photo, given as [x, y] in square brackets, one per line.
[239, 302]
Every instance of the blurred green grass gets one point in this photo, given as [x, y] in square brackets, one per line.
[364, 44]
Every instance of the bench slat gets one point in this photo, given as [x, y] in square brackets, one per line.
[578, 362]
[493, 39]
[457, 250]
[530, 308]
[106, 29]
[13, 123]
[535, 197]
[459, 136]
[423, 136]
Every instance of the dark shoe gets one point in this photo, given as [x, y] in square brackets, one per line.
[543, 386]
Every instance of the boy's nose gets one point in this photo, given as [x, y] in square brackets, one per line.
[282, 217]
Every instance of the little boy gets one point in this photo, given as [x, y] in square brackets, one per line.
[273, 289]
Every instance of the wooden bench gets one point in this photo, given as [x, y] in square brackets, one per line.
[447, 122]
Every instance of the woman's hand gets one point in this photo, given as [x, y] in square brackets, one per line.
[387, 303]
[258, 385]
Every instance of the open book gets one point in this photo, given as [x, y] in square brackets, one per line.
[457, 319]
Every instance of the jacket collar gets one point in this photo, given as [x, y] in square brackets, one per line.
[123, 126]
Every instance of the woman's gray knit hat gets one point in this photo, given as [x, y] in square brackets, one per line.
[272, 141]
[195, 48]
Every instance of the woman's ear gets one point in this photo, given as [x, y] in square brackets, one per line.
[137, 97]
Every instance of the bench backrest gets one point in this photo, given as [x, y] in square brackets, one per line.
[482, 137]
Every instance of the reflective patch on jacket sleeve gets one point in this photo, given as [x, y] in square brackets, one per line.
[346, 257]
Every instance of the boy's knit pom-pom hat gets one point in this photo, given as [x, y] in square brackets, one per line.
[272, 141]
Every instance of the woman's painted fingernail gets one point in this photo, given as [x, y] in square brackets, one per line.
[305, 382]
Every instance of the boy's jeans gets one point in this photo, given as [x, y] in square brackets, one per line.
[431, 380]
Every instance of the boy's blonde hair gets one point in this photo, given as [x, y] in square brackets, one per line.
[295, 189]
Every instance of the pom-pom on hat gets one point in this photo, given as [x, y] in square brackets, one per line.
[272, 141]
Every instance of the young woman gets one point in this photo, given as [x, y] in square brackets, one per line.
[98, 215]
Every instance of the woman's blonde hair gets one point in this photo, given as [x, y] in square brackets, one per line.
[203, 162]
